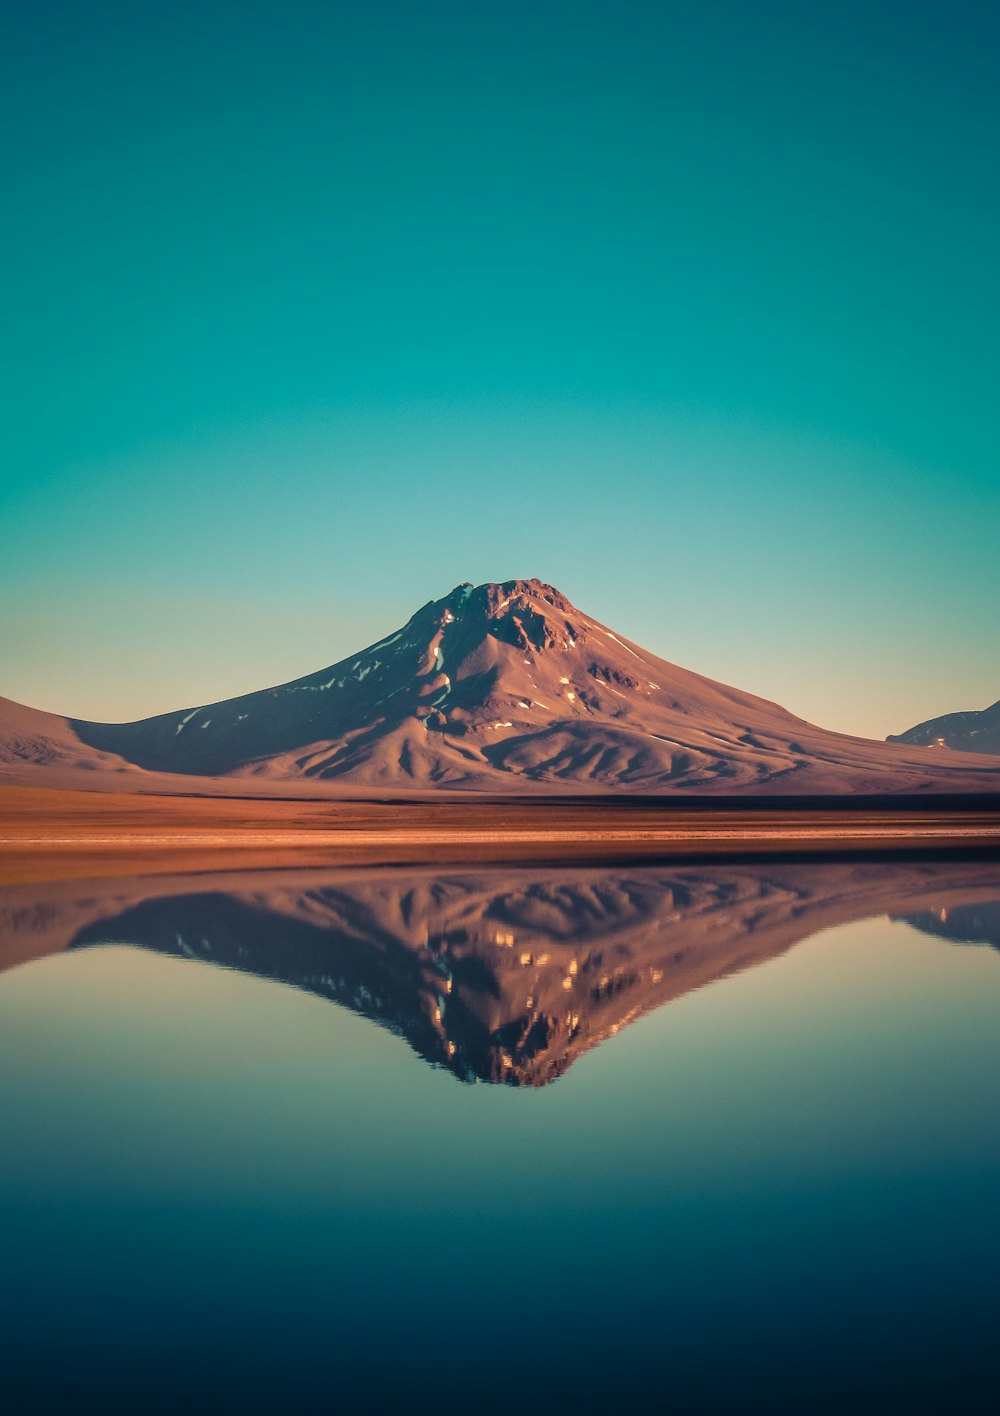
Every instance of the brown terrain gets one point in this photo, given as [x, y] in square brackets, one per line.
[497, 973]
[499, 688]
[53, 835]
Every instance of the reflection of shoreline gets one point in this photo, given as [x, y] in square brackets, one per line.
[505, 974]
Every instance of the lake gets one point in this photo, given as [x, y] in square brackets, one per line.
[704, 1137]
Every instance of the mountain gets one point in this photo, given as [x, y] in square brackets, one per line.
[965, 732]
[496, 973]
[496, 687]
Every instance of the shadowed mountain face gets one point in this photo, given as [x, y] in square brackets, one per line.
[498, 687]
[964, 732]
[498, 974]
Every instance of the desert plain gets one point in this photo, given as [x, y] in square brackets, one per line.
[60, 834]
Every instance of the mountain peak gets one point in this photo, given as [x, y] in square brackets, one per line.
[523, 593]
[526, 614]
[493, 595]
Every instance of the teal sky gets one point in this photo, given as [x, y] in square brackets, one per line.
[312, 311]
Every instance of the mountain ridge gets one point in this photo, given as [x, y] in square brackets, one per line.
[504, 686]
[975, 730]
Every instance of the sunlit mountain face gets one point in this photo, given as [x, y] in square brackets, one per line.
[499, 974]
[503, 687]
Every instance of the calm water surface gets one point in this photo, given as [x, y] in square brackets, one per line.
[705, 1138]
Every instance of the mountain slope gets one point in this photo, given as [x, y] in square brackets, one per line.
[964, 732]
[30, 736]
[509, 687]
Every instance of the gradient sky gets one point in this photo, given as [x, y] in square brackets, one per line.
[314, 310]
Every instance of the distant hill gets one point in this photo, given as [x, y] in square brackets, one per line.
[964, 732]
[497, 687]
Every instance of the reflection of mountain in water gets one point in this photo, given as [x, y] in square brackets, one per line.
[963, 924]
[500, 974]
